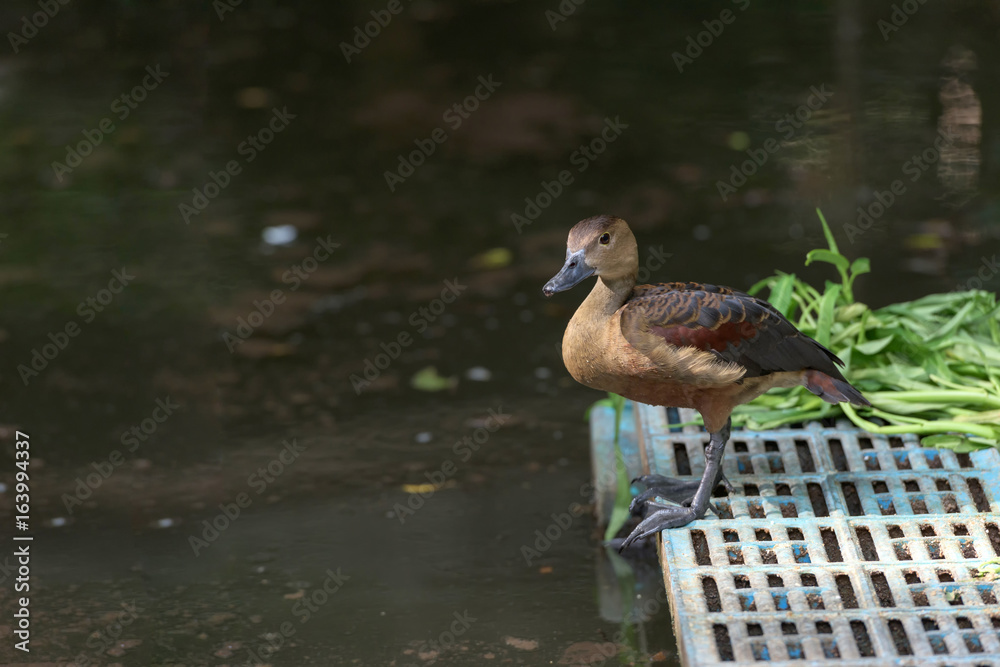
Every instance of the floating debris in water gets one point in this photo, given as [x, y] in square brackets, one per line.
[164, 523]
[58, 522]
[495, 258]
[279, 235]
[424, 437]
[543, 373]
[419, 488]
[426, 487]
[479, 374]
[738, 141]
[428, 379]
[253, 97]
[521, 644]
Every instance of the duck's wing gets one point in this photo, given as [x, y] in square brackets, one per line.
[663, 288]
[731, 327]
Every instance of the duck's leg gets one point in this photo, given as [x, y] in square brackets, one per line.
[679, 491]
[672, 517]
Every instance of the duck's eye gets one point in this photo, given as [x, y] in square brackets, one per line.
[605, 238]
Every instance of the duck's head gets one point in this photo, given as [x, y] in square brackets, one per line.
[600, 246]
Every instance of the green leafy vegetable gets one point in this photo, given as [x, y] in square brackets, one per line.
[929, 367]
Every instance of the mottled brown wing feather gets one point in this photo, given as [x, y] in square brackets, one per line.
[732, 325]
[663, 288]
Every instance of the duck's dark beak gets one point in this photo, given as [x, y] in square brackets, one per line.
[573, 272]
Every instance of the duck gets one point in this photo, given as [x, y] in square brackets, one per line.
[680, 344]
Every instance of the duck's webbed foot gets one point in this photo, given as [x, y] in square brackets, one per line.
[665, 517]
[693, 505]
[679, 491]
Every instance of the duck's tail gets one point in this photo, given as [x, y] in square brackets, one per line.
[833, 390]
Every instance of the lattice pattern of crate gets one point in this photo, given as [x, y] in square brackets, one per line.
[836, 546]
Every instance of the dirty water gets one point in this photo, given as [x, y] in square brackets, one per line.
[310, 500]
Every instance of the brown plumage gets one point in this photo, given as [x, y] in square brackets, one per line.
[681, 344]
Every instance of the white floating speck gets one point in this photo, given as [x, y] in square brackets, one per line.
[701, 232]
[3, 488]
[543, 373]
[279, 235]
[58, 522]
[478, 374]
[164, 523]
[423, 437]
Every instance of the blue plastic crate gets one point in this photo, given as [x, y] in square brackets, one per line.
[836, 546]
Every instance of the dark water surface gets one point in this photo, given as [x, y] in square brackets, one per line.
[209, 378]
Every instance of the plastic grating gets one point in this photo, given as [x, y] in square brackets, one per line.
[836, 546]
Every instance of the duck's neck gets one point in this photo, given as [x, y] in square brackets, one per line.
[608, 296]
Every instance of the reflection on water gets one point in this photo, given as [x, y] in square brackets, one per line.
[272, 265]
[961, 121]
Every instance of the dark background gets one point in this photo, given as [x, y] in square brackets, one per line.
[332, 508]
